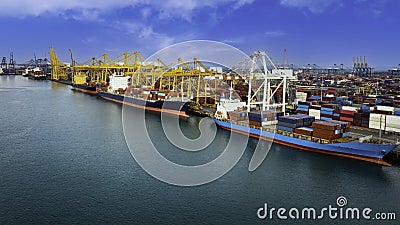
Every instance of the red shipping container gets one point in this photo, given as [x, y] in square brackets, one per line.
[347, 119]
[347, 112]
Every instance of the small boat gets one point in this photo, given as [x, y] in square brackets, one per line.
[36, 73]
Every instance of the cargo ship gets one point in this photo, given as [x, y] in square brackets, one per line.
[119, 90]
[88, 88]
[264, 116]
[299, 131]
[362, 151]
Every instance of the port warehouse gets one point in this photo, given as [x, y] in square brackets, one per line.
[334, 94]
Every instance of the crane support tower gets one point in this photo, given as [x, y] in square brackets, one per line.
[268, 85]
[4, 66]
[361, 67]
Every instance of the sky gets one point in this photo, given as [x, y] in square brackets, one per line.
[322, 32]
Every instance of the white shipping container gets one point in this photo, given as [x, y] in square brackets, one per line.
[315, 112]
[301, 94]
[301, 97]
[385, 108]
[392, 129]
[377, 121]
[350, 108]
[393, 121]
[376, 125]
[267, 123]
[117, 82]
[300, 100]
[376, 117]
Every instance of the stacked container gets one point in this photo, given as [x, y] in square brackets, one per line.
[358, 99]
[347, 115]
[357, 119]
[304, 130]
[336, 114]
[344, 127]
[326, 130]
[396, 101]
[237, 116]
[303, 107]
[365, 119]
[327, 111]
[307, 120]
[290, 123]
[365, 108]
[263, 118]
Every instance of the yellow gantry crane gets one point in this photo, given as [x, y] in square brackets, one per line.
[59, 70]
[365, 90]
[77, 77]
[184, 79]
[181, 80]
[98, 69]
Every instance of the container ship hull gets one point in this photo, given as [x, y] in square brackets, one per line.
[362, 151]
[165, 106]
[85, 89]
[37, 77]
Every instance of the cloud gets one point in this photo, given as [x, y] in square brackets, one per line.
[89, 40]
[241, 3]
[92, 9]
[276, 33]
[314, 6]
[236, 40]
[146, 12]
[145, 33]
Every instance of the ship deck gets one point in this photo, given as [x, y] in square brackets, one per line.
[333, 146]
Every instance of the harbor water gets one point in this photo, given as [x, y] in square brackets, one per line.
[64, 160]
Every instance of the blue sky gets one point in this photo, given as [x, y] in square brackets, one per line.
[323, 32]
